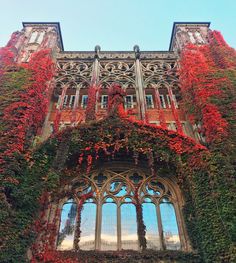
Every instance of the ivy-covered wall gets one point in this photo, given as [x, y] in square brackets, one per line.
[206, 174]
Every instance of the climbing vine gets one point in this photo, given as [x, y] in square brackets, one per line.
[30, 179]
[207, 79]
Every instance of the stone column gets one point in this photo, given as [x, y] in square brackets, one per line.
[139, 84]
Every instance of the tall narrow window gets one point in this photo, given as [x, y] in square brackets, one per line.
[84, 101]
[67, 226]
[169, 225]
[87, 226]
[65, 101]
[150, 221]
[72, 101]
[129, 237]
[109, 226]
[40, 37]
[175, 102]
[33, 37]
[58, 102]
[104, 102]
[168, 101]
[149, 102]
[129, 102]
[163, 104]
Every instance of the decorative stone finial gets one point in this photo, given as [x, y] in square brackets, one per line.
[97, 49]
[137, 51]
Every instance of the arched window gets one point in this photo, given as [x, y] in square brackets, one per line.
[169, 225]
[66, 234]
[87, 225]
[109, 225]
[129, 237]
[108, 216]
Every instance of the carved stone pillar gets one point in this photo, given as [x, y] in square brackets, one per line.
[139, 84]
[95, 73]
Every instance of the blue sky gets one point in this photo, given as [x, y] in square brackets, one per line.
[118, 24]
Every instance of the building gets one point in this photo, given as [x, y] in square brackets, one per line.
[127, 200]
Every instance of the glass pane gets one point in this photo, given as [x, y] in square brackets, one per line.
[118, 188]
[169, 225]
[150, 221]
[109, 227]
[129, 237]
[67, 226]
[87, 227]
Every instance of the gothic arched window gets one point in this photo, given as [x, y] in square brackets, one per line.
[108, 220]
[66, 234]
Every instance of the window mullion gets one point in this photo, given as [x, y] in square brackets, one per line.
[98, 226]
[118, 227]
[160, 229]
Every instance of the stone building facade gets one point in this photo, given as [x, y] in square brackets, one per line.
[108, 220]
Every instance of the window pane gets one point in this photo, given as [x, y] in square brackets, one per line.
[109, 227]
[67, 226]
[149, 101]
[87, 227]
[104, 101]
[129, 237]
[40, 38]
[33, 37]
[150, 221]
[169, 225]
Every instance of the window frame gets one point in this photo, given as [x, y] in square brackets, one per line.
[131, 102]
[119, 201]
[84, 105]
[104, 105]
[151, 105]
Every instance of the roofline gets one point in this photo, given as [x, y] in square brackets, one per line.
[57, 24]
[183, 23]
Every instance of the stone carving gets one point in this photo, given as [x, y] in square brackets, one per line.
[159, 71]
[117, 71]
[74, 72]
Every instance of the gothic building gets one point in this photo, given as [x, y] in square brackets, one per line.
[125, 202]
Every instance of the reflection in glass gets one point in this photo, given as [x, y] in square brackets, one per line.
[67, 226]
[109, 227]
[150, 221]
[129, 237]
[118, 188]
[87, 226]
[169, 225]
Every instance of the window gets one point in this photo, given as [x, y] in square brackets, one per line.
[168, 101]
[84, 101]
[36, 37]
[65, 101]
[149, 102]
[109, 219]
[87, 226]
[72, 101]
[172, 126]
[40, 37]
[66, 234]
[169, 225]
[168, 104]
[104, 102]
[162, 99]
[129, 102]
[33, 37]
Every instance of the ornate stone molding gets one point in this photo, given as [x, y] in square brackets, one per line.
[127, 55]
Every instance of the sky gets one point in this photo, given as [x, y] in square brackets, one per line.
[118, 24]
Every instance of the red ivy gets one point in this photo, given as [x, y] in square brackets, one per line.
[202, 87]
[23, 117]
